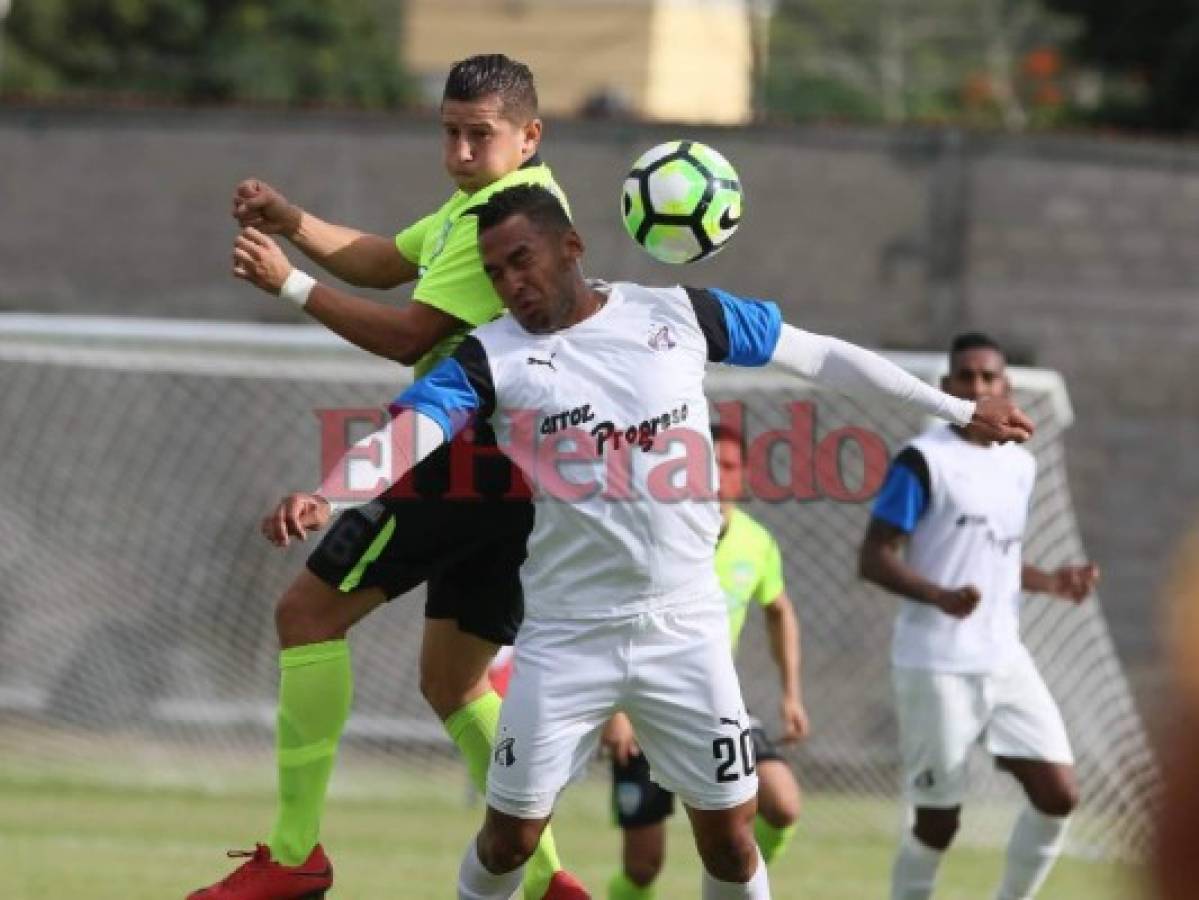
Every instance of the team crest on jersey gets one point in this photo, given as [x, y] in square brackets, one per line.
[442, 237]
[505, 754]
[661, 338]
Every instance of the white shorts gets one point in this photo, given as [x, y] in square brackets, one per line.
[671, 672]
[942, 714]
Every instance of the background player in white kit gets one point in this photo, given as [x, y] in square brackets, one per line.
[958, 502]
[596, 392]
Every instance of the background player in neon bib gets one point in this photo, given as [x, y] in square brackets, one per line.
[750, 570]
[958, 503]
[623, 610]
[469, 553]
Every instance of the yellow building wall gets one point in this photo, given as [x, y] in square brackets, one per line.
[574, 47]
[700, 62]
[681, 60]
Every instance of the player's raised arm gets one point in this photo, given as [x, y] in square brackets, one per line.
[404, 333]
[854, 370]
[751, 333]
[356, 257]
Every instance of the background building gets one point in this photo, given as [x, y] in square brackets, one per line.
[675, 60]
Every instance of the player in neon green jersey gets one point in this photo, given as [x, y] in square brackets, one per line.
[468, 553]
[750, 570]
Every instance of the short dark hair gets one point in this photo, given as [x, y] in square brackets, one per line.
[973, 340]
[491, 75]
[722, 432]
[534, 202]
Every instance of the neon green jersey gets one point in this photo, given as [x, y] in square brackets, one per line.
[749, 567]
[445, 247]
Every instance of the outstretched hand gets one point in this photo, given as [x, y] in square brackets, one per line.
[258, 205]
[259, 260]
[295, 516]
[1075, 583]
[999, 419]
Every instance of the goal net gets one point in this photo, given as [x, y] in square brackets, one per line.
[137, 642]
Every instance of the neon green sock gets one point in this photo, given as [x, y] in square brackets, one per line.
[473, 729]
[316, 685]
[772, 841]
[621, 887]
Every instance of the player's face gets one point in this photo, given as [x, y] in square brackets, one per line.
[730, 463]
[533, 271]
[975, 374]
[479, 145]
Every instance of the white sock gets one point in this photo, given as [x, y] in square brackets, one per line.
[476, 883]
[1035, 843]
[757, 888]
[914, 872]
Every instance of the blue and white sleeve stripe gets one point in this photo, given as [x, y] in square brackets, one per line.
[454, 391]
[905, 495]
[740, 331]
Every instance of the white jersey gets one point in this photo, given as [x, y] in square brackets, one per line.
[608, 421]
[965, 513]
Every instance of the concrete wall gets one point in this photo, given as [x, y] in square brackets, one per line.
[1079, 253]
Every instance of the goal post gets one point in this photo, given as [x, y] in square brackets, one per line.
[137, 642]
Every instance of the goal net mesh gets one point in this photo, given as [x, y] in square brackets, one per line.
[137, 642]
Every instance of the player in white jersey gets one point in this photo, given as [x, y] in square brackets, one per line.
[957, 501]
[596, 393]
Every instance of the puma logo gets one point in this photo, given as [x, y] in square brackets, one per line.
[534, 361]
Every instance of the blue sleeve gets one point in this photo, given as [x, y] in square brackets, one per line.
[445, 395]
[740, 331]
[905, 494]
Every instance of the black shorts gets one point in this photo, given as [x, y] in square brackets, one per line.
[465, 536]
[638, 800]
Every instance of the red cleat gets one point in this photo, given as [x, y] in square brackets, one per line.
[564, 886]
[261, 878]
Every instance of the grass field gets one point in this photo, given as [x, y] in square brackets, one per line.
[61, 841]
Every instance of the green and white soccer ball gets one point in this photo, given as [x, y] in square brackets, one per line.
[681, 202]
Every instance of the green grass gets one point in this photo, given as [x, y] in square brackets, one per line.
[60, 840]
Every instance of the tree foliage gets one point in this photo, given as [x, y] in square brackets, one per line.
[962, 61]
[1148, 51]
[275, 51]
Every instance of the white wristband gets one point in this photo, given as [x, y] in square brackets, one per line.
[297, 287]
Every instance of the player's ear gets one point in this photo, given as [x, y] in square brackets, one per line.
[945, 383]
[531, 137]
[1005, 386]
[572, 244]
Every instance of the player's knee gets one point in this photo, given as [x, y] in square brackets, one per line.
[643, 865]
[502, 851]
[444, 693]
[730, 856]
[780, 806]
[781, 812]
[300, 618]
[1060, 800]
[936, 828]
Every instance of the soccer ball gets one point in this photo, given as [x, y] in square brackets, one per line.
[681, 202]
